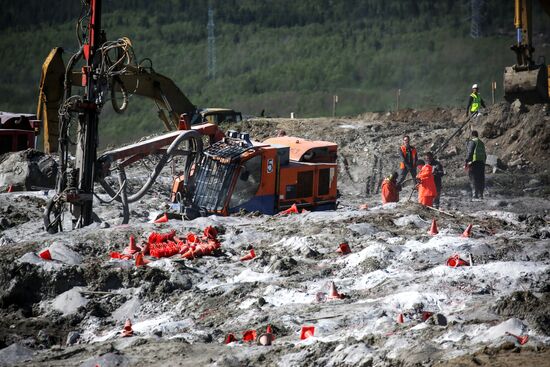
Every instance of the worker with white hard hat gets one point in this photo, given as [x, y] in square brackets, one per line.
[475, 101]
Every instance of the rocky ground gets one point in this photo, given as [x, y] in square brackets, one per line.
[71, 310]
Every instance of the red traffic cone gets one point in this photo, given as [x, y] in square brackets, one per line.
[400, 319]
[249, 336]
[162, 219]
[118, 255]
[46, 255]
[426, 315]
[140, 260]
[230, 338]
[191, 237]
[268, 329]
[344, 248]
[467, 232]
[522, 339]
[307, 332]
[455, 261]
[433, 229]
[210, 232]
[249, 256]
[292, 210]
[127, 330]
[334, 292]
[10, 188]
[132, 247]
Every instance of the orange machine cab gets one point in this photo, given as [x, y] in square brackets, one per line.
[308, 177]
[235, 173]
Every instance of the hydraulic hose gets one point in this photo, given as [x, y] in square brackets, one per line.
[187, 135]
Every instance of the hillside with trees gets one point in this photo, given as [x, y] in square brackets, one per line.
[278, 56]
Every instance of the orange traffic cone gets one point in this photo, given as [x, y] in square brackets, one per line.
[140, 260]
[334, 292]
[249, 256]
[307, 332]
[230, 338]
[162, 219]
[132, 247]
[522, 339]
[127, 330]
[400, 319]
[433, 229]
[249, 336]
[467, 232]
[344, 248]
[292, 210]
[46, 255]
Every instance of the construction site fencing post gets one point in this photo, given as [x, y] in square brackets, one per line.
[398, 94]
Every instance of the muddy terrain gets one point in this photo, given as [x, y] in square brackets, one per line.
[402, 304]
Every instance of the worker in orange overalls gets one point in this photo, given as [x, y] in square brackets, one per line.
[426, 184]
[390, 189]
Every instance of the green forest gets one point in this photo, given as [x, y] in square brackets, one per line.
[278, 56]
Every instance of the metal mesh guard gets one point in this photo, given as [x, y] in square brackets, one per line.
[214, 174]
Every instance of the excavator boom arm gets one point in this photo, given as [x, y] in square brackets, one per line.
[170, 100]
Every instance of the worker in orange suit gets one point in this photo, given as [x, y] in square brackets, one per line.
[426, 185]
[390, 189]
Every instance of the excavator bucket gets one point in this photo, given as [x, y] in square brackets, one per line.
[530, 85]
[51, 93]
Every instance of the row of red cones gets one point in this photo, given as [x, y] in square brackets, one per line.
[252, 336]
[292, 210]
[433, 230]
[268, 337]
[168, 244]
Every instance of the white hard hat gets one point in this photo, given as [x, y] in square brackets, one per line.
[474, 86]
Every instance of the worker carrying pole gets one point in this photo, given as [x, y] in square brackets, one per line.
[408, 159]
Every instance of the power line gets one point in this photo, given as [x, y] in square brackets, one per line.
[477, 8]
[211, 43]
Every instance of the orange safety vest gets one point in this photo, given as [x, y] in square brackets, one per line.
[413, 156]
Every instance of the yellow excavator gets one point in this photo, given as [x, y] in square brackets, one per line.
[527, 80]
